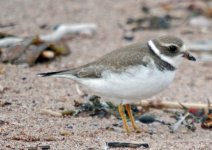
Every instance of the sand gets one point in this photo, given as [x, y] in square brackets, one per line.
[25, 125]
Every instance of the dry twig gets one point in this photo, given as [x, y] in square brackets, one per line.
[51, 112]
[175, 105]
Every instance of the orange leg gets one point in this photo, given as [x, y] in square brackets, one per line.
[129, 111]
[123, 117]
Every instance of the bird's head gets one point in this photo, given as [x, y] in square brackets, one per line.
[171, 49]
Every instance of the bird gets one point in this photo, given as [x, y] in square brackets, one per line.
[131, 73]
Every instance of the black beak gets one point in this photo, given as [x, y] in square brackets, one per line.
[189, 56]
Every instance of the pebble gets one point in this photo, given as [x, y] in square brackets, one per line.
[1, 89]
[44, 147]
[69, 126]
[147, 119]
[128, 35]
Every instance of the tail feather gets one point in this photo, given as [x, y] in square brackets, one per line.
[56, 73]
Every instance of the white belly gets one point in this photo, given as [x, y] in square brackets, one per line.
[133, 85]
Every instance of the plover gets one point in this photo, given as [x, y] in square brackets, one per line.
[132, 73]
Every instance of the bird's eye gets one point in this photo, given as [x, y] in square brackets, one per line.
[173, 48]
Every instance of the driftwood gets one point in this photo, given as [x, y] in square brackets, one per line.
[203, 49]
[59, 34]
[33, 50]
[57, 113]
[10, 41]
[175, 105]
[51, 112]
[64, 30]
[126, 145]
[200, 46]
[42, 48]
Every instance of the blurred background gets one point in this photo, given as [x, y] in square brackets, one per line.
[49, 35]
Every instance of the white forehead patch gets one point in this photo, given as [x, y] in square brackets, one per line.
[174, 61]
[183, 49]
[154, 48]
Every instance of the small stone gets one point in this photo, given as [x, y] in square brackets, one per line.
[44, 147]
[145, 9]
[23, 78]
[68, 113]
[2, 69]
[31, 148]
[69, 126]
[48, 54]
[49, 138]
[128, 35]
[61, 108]
[2, 122]
[109, 128]
[147, 119]
[1, 89]
[64, 133]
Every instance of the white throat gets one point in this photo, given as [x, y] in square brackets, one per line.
[174, 61]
